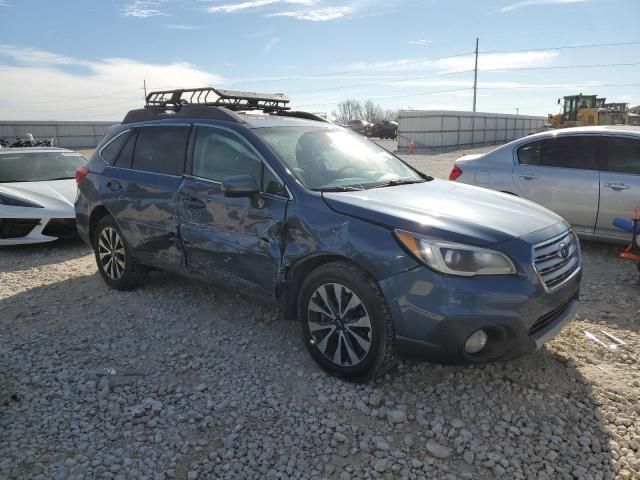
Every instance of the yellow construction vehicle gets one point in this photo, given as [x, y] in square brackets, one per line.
[583, 110]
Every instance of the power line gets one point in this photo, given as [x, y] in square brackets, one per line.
[457, 72]
[469, 89]
[354, 70]
[109, 94]
[565, 47]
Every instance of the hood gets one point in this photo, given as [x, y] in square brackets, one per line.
[56, 195]
[448, 210]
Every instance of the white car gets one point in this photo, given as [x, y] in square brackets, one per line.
[37, 193]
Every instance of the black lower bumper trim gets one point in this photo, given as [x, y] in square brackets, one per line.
[17, 227]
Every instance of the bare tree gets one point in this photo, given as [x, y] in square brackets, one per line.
[391, 115]
[372, 112]
[348, 110]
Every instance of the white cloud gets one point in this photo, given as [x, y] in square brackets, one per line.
[4, 3]
[34, 56]
[488, 61]
[421, 41]
[316, 15]
[253, 4]
[272, 43]
[41, 89]
[144, 9]
[529, 3]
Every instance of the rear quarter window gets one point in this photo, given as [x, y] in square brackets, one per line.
[110, 152]
[623, 155]
[161, 149]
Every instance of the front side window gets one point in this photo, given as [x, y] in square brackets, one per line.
[325, 158]
[39, 166]
[623, 155]
[161, 149]
[563, 152]
[218, 154]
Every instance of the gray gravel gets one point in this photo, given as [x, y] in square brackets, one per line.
[183, 380]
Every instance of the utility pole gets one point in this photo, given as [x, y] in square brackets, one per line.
[517, 111]
[475, 79]
[144, 85]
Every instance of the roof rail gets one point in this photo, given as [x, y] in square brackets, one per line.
[305, 115]
[174, 100]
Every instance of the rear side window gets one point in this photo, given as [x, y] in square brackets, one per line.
[112, 149]
[623, 155]
[161, 149]
[562, 152]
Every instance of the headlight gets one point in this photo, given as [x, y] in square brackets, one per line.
[456, 258]
[17, 202]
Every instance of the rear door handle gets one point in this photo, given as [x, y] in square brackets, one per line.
[617, 186]
[114, 186]
[194, 203]
[529, 176]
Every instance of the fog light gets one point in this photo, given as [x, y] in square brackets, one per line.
[476, 342]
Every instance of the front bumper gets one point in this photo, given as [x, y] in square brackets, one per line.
[24, 231]
[435, 314]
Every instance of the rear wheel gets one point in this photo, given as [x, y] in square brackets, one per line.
[118, 269]
[345, 322]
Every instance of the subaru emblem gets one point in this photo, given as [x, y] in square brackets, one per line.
[563, 250]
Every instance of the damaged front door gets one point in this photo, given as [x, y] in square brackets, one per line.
[233, 240]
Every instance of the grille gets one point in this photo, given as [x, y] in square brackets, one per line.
[60, 227]
[552, 267]
[17, 227]
[545, 320]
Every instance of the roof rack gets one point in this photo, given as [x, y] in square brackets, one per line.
[174, 100]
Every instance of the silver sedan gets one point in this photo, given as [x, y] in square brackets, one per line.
[588, 175]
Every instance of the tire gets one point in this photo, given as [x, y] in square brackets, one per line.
[358, 343]
[113, 257]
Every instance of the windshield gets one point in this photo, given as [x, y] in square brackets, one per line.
[324, 159]
[39, 166]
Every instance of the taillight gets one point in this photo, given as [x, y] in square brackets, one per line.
[455, 173]
[81, 173]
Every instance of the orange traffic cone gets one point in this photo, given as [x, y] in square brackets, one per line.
[412, 147]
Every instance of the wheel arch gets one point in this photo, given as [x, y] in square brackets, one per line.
[288, 295]
[97, 214]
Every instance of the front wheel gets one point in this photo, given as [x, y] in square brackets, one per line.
[116, 265]
[345, 322]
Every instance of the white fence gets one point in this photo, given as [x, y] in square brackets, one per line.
[442, 129]
[66, 134]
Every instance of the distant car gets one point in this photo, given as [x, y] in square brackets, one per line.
[360, 126]
[37, 191]
[587, 175]
[385, 129]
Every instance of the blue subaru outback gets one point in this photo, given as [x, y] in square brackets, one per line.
[371, 257]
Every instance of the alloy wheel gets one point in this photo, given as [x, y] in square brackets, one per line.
[339, 324]
[111, 253]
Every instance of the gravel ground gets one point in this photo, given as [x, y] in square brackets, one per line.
[183, 380]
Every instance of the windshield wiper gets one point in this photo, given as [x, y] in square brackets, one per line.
[395, 182]
[347, 188]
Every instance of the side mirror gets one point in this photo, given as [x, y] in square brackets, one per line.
[240, 186]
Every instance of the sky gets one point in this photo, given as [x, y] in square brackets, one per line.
[88, 59]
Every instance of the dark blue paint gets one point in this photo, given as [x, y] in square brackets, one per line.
[259, 245]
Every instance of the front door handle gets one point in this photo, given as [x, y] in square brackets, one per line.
[617, 186]
[529, 176]
[194, 203]
[114, 186]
